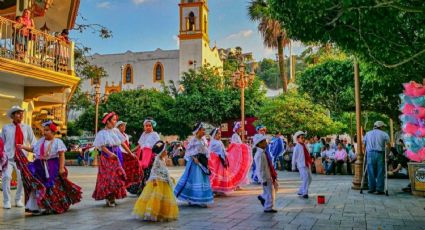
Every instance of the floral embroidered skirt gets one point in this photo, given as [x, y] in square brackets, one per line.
[53, 192]
[157, 203]
[111, 178]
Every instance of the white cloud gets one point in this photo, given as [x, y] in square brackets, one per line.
[240, 34]
[103, 5]
[138, 2]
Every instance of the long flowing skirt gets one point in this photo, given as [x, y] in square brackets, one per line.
[240, 160]
[54, 193]
[157, 203]
[194, 186]
[221, 180]
[132, 169]
[145, 159]
[111, 178]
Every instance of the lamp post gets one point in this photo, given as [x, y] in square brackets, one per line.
[97, 98]
[242, 80]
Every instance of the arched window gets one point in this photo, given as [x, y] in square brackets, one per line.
[128, 74]
[191, 22]
[158, 72]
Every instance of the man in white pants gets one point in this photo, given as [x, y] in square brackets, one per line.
[301, 159]
[266, 174]
[9, 132]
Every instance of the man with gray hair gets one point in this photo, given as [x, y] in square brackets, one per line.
[375, 142]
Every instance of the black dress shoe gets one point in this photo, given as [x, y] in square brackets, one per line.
[305, 196]
[261, 199]
[380, 193]
[371, 191]
[270, 211]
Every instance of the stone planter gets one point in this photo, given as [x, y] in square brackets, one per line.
[417, 178]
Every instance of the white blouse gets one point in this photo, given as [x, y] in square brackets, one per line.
[148, 139]
[196, 146]
[57, 146]
[126, 139]
[159, 171]
[236, 139]
[217, 147]
[109, 138]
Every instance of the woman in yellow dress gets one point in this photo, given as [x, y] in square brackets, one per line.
[157, 201]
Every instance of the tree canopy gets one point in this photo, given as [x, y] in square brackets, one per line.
[386, 36]
[292, 112]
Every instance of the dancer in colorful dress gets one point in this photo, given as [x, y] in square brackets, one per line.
[266, 173]
[14, 134]
[47, 189]
[111, 179]
[220, 178]
[146, 141]
[228, 169]
[131, 166]
[237, 131]
[301, 159]
[194, 186]
[157, 201]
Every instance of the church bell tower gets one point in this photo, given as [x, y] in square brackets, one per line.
[193, 35]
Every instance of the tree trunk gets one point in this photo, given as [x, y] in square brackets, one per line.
[282, 70]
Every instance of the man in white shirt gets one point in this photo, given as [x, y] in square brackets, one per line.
[375, 142]
[9, 134]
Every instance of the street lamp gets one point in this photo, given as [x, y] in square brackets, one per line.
[242, 80]
[97, 98]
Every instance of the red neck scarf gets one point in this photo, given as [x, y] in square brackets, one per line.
[271, 167]
[19, 136]
[307, 156]
[42, 150]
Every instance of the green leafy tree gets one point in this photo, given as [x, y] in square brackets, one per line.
[133, 106]
[292, 112]
[386, 36]
[211, 98]
[330, 84]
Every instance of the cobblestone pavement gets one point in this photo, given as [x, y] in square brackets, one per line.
[344, 209]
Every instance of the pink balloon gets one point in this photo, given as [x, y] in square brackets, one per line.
[414, 89]
[413, 156]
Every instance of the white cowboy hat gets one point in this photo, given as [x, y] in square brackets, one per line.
[258, 138]
[297, 134]
[12, 110]
[120, 123]
[379, 124]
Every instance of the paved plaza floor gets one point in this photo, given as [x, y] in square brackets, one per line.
[344, 209]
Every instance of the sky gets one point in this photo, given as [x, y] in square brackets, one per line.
[145, 25]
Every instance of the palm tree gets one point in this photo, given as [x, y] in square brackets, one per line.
[274, 36]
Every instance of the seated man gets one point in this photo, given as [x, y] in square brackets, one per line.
[328, 156]
[340, 157]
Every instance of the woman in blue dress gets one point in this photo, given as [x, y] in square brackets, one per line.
[194, 186]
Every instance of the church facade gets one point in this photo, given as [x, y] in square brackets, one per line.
[136, 70]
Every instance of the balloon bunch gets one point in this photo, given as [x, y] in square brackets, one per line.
[413, 120]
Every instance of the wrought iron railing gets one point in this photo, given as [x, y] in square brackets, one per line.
[35, 47]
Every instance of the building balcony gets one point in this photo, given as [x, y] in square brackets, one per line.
[36, 48]
[36, 71]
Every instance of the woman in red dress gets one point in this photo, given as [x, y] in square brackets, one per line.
[111, 179]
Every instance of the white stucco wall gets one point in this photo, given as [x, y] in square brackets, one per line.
[143, 66]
